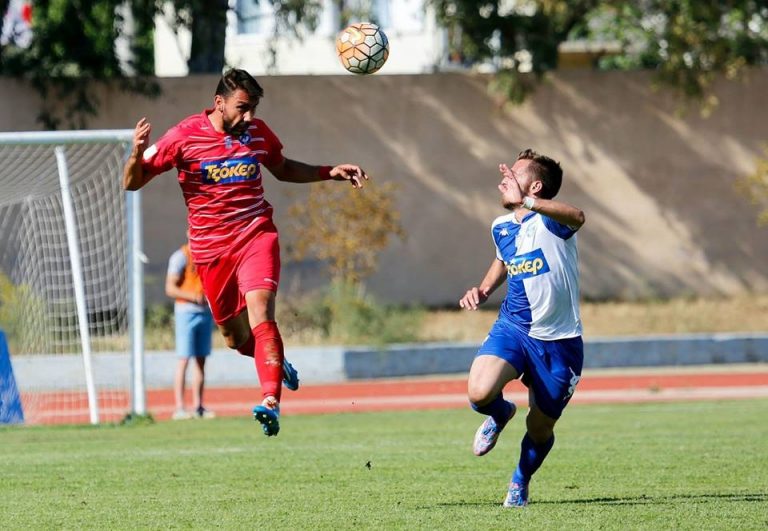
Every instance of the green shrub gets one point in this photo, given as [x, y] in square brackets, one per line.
[158, 327]
[18, 307]
[345, 313]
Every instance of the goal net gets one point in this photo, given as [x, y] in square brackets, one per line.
[70, 277]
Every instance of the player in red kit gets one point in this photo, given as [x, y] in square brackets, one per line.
[219, 155]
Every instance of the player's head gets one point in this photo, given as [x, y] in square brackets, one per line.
[532, 175]
[545, 174]
[237, 79]
[237, 96]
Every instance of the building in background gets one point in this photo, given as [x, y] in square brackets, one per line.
[417, 44]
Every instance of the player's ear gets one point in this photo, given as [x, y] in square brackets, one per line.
[536, 187]
[218, 103]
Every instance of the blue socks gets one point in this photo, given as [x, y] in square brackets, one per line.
[531, 457]
[498, 408]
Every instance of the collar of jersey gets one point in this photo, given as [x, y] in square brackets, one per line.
[527, 216]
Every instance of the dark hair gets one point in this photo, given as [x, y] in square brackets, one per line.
[544, 169]
[235, 79]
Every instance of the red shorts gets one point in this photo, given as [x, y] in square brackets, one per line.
[250, 265]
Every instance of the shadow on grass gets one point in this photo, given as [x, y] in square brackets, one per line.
[667, 499]
[628, 500]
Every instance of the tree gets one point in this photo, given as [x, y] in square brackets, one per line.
[686, 42]
[206, 20]
[345, 228]
[73, 48]
[514, 41]
[755, 187]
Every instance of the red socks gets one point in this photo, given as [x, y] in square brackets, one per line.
[268, 356]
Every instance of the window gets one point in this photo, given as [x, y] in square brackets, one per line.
[255, 17]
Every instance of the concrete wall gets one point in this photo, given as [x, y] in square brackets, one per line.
[663, 215]
[339, 364]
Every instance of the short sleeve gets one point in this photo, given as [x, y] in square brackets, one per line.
[162, 155]
[496, 235]
[274, 154]
[177, 263]
[557, 228]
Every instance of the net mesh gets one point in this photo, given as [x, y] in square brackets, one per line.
[38, 311]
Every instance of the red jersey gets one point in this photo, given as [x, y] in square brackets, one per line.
[220, 176]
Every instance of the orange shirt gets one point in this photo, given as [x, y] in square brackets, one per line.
[190, 280]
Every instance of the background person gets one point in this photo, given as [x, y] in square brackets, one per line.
[194, 330]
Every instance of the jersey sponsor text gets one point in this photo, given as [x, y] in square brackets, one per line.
[527, 265]
[230, 170]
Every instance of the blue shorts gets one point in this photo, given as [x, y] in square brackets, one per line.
[194, 333]
[551, 369]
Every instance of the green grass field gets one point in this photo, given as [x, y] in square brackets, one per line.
[697, 466]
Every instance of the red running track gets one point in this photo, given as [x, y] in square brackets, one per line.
[424, 393]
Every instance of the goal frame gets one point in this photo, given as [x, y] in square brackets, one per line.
[135, 255]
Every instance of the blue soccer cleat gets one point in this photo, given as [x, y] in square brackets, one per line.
[269, 417]
[487, 434]
[290, 376]
[517, 495]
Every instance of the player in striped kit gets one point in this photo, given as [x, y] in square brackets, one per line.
[538, 332]
[219, 155]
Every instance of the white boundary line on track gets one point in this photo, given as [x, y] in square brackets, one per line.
[460, 400]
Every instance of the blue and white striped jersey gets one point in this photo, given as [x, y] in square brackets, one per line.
[541, 258]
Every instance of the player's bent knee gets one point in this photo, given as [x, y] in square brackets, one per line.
[236, 331]
[234, 339]
[231, 343]
[229, 339]
[480, 394]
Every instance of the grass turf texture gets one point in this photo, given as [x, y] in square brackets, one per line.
[696, 465]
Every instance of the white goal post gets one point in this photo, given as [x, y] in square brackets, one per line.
[71, 275]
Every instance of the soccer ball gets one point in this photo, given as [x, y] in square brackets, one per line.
[362, 48]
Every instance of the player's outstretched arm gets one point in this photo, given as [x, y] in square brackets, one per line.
[477, 295]
[133, 173]
[561, 212]
[293, 171]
